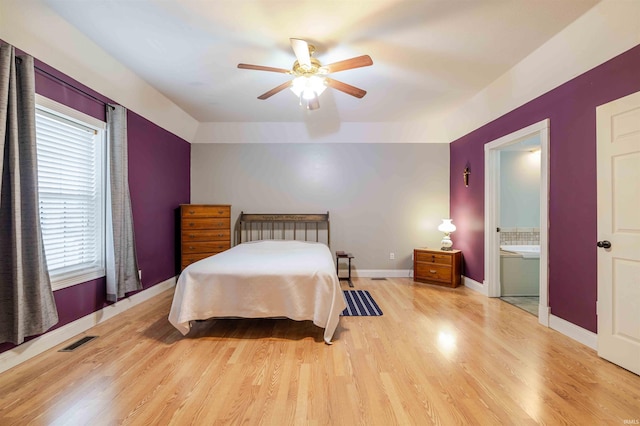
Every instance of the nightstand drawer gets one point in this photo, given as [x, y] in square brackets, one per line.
[443, 259]
[434, 272]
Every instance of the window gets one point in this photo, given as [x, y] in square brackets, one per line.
[71, 188]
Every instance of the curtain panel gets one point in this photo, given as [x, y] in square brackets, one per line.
[27, 306]
[122, 263]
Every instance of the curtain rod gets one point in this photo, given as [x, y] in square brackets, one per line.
[77, 89]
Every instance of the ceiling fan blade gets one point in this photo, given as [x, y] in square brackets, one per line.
[276, 90]
[347, 64]
[262, 68]
[346, 88]
[301, 49]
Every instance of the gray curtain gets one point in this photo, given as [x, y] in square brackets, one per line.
[122, 263]
[27, 306]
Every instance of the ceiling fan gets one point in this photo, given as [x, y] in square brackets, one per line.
[311, 76]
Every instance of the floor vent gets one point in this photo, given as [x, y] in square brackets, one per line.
[76, 345]
[379, 279]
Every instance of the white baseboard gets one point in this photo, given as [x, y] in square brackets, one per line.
[27, 350]
[573, 331]
[545, 318]
[474, 285]
[381, 273]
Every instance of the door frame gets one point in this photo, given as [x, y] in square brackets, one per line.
[492, 211]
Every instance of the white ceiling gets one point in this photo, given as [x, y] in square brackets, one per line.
[429, 55]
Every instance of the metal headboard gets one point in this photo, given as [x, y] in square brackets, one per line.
[278, 226]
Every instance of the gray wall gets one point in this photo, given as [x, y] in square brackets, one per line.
[520, 189]
[382, 198]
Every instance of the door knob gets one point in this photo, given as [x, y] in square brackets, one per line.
[604, 244]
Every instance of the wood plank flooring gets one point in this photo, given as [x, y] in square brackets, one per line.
[437, 356]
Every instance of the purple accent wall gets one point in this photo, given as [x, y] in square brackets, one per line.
[159, 180]
[571, 109]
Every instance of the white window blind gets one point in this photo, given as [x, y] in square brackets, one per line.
[71, 193]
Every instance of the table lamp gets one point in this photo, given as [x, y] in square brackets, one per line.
[447, 227]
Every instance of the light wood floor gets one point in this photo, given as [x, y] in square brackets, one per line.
[437, 356]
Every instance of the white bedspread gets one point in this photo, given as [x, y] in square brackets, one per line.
[261, 279]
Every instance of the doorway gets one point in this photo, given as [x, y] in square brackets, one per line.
[538, 132]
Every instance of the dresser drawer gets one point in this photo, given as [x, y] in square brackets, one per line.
[188, 259]
[430, 271]
[204, 247]
[205, 223]
[206, 235]
[205, 211]
[443, 259]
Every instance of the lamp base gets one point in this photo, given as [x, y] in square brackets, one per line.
[446, 243]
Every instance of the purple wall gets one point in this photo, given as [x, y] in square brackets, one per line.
[159, 180]
[571, 109]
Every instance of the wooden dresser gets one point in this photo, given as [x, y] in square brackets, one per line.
[204, 231]
[439, 267]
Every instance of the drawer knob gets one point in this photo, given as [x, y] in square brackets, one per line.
[220, 235]
[192, 212]
[192, 224]
[190, 247]
[432, 271]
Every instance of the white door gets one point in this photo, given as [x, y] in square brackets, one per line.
[618, 127]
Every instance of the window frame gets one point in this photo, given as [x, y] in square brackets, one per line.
[79, 276]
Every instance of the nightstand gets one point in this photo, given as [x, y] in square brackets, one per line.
[439, 267]
[343, 255]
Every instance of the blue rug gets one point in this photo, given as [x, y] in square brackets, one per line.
[360, 304]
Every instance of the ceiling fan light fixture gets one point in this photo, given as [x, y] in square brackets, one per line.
[310, 76]
[310, 103]
[308, 87]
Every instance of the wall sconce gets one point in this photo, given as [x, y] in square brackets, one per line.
[447, 227]
[465, 176]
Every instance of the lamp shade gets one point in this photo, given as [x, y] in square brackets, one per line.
[446, 226]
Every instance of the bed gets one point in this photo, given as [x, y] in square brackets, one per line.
[270, 273]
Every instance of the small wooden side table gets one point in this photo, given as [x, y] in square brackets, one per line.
[343, 255]
[441, 267]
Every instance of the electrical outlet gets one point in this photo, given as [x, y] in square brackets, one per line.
[392, 256]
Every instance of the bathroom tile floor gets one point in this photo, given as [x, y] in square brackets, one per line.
[527, 303]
